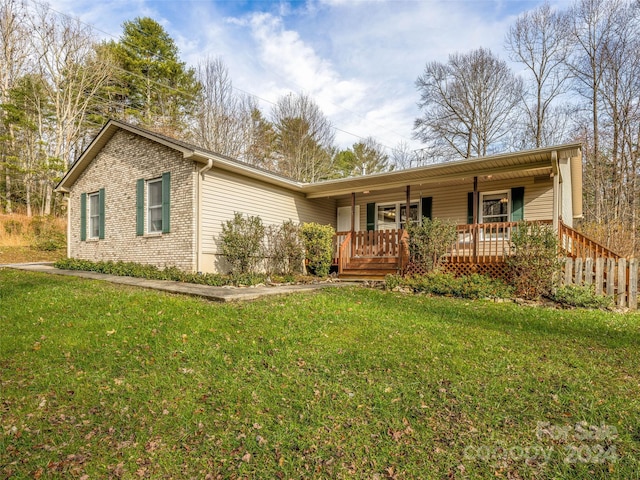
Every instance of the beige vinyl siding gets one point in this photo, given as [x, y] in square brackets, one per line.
[224, 193]
[450, 202]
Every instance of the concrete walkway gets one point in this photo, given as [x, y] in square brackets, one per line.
[218, 294]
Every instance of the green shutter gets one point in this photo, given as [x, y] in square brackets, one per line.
[427, 203]
[101, 205]
[517, 204]
[371, 216]
[470, 208]
[83, 216]
[166, 202]
[140, 207]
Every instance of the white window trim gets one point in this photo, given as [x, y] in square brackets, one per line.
[506, 192]
[499, 235]
[148, 206]
[90, 196]
[398, 206]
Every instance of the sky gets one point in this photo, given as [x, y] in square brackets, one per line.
[358, 59]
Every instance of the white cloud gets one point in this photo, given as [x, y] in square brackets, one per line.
[357, 59]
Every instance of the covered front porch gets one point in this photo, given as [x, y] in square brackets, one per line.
[376, 253]
[485, 197]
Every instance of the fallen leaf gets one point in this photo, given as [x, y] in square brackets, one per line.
[110, 332]
[246, 457]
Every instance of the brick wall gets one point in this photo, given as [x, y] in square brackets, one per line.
[123, 160]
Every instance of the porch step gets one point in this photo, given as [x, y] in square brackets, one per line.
[360, 261]
[370, 268]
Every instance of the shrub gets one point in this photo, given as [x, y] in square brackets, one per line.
[469, 286]
[48, 236]
[318, 242]
[284, 248]
[534, 264]
[242, 243]
[13, 227]
[581, 296]
[429, 241]
[392, 281]
[151, 272]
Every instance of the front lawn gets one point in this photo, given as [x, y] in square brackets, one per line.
[99, 380]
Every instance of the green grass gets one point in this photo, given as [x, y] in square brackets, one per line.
[103, 380]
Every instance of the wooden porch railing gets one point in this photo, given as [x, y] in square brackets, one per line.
[475, 243]
[344, 252]
[376, 243]
[482, 242]
[578, 245]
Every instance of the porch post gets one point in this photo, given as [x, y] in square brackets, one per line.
[475, 219]
[352, 250]
[407, 206]
[353, 211]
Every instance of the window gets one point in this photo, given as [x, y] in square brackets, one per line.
[413, 214]
[155, 203]
[94, 215]
[96, 212]
[494, 207]
[387, 218]
[393, 216]
[154, 206]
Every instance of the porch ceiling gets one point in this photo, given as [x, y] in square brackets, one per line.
[515, 165]
[423, 186]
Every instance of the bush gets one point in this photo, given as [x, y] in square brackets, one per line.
[13, 227]
[535, 266]
[284, 249]
[242, 243]
[581, 296]
[392, 281]
[429, 242]
[318, 242]
[151, 272]
[437, 283]
[48, 237]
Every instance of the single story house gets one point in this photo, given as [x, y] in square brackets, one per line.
[135, 195]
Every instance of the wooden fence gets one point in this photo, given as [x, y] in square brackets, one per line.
[617, 278]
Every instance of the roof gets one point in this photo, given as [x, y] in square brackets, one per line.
[188, 151]
[535, 162]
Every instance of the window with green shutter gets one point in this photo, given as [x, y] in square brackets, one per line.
[158, 205]
[517, 204]
[427, 206]
[371, 216]
[166, 202]
[83, 217]
[101, 212]
[140, 207]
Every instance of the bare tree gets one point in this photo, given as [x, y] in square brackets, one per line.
[540, 40]
[403, 156]
[468, 105]
[620, 117]
[592, 30]
[260, 148]
[223, 118]
[68, 63]
[304, 138]
[14, 58]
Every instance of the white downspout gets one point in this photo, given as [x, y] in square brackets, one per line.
[201, 173]
[556, 187]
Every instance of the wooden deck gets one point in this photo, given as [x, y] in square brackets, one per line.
[374, 254]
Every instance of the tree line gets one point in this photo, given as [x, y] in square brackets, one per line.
[576, 80]
[61, 85]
